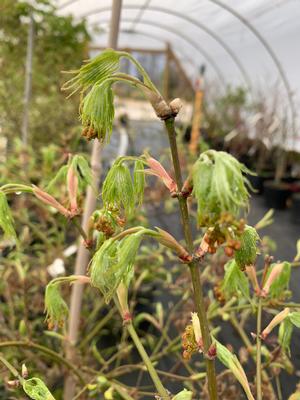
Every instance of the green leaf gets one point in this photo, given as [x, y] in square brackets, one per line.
[95, 71]
[218, 186]
[113, 263]
[231, 362]
[55, 307]
[97, 110]
[6, 218]
[36, 389]
[281, 283]
[139, 181]
[183, 395]
[84, 172]
[294, 317]
[285, 334]
[118, 188]
[59, 178]
[247, 253]
[235, 281]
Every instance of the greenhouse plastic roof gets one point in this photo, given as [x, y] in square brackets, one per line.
[249, 42]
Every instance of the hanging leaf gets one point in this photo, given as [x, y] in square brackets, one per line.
[285, 334]
[97, 112]
[219, 186]
[36, 389]
[6, 218]
[55, 307]
[235, 281]
[60, 177]
[231, 362]
[113, 263]
[246, 254]
[118, 188]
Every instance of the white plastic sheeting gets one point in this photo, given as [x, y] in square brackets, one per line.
[202, 31]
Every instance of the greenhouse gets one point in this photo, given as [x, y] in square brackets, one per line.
[149, 200]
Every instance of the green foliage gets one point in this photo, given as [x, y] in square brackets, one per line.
[36, 389]
[97, 111]
[113, 263]
[281, 283]
[235, 281]
[247, 253]
[139, 181]
[95, 71]
[294, 317]
[84, 172]
[6, 218]
[230, 361]
[59, 44]
[218, 186]
[55, 307]
[285, 334]
[119, 190]
[183, 395]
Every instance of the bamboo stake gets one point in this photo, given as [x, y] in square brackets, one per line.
[90, 205]
[28, 80]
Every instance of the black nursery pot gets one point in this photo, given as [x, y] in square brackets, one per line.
[276, 194]
[295, 209]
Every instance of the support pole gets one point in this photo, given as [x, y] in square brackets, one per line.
[28, 80]
[90, 205]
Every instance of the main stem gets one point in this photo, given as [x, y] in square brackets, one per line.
[194, 264]
[258, 351]
[148, 363]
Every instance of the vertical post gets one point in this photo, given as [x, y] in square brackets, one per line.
[90, 205]
[28, 80]
[198, 103]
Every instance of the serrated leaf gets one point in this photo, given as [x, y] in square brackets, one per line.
[6, 218]
[235, 281]
[247, 253]
[36, 389]
[118, 188]
[218, 186]
[113, 263]
[97, 110]
[55, 307]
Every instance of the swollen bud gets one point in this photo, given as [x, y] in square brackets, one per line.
[247, 253]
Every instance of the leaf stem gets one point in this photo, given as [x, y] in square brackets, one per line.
[258, 350]
[154, 376]
[193, 265]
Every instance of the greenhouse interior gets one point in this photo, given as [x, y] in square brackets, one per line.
[149, 200]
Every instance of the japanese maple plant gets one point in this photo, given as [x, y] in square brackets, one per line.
[218, 185]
